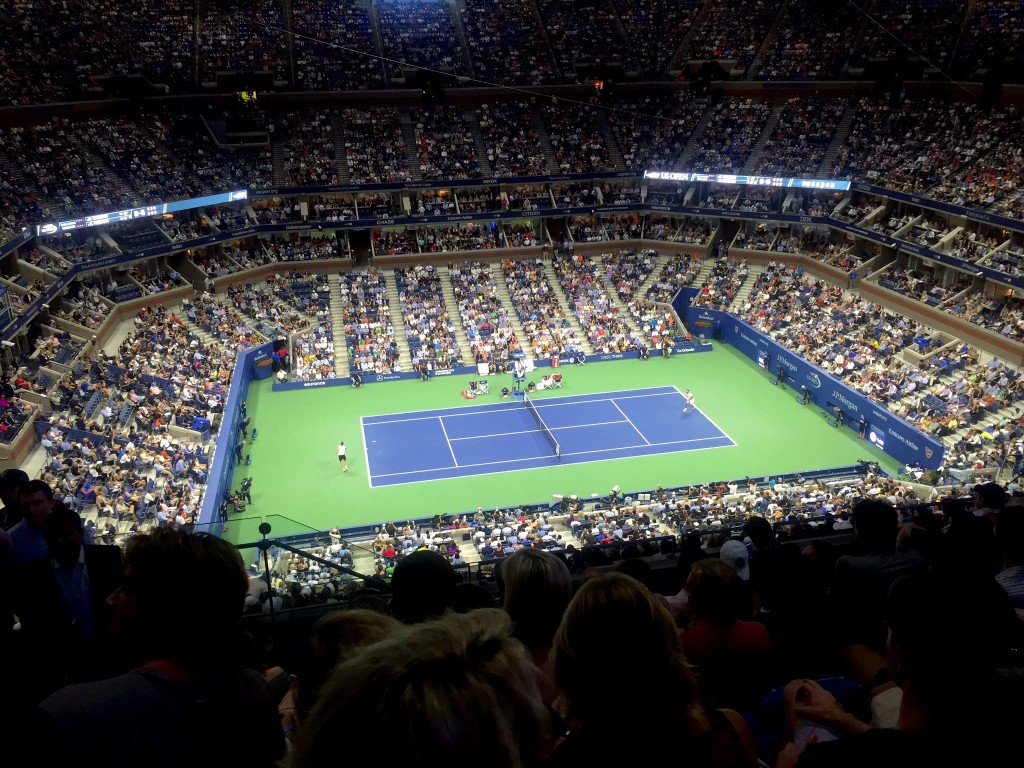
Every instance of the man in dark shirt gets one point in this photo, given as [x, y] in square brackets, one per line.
[175, 619]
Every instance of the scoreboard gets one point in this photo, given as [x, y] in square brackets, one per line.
[143, 212]
[752, 181]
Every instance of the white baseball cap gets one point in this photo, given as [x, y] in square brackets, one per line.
[735, 553]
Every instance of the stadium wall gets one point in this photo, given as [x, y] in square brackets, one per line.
[886, 430]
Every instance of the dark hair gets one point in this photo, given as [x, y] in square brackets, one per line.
[36, 486]
[952, 631]
[190, 589]
[876, 523]
[424, 587]
[13, 479]
[1010, 534]
[57, 518]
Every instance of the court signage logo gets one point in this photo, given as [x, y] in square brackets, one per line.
[814, 379]
[444, 371]
[388, 376]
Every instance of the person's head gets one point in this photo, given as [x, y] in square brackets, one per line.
[948, 632]
[714, 589]
[334, 639]
[10, 482]
[64, 535]
[181, 598]
[537, 588]
[423, 586]
[614, 610]
[1010, 535]
[36, 500]
[876, 524]
[458, 690]
[760, 531]
[989, 496]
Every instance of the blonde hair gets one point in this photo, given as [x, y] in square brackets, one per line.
[538, 587]
[458, 690]
[335, 638]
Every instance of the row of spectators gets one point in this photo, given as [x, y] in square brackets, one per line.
[485, 320]
[428, 328]
[314, 352]
[366, 314]
[600, 317]
[544, 322]
[335, 45]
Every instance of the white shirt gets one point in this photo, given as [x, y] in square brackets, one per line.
[341, 449]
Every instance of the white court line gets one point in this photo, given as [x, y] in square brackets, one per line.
[642, 435]
[366, 452]
[552, 404]
[440, 420]
[549, 456]
[537, 431]
[706, 417]
[484, 408]
[652, 445]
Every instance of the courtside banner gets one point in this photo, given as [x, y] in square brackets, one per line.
[897, 437]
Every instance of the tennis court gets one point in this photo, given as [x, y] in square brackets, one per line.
[508, 436]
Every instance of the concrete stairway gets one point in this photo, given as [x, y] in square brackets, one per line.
[341, 359]
[470, 120]
[744, 292]
[842, 133]
[404, 355]
[694, 143]
[545, 142]
[409, 137]
[452, 305]
[762, 141]
[513, 316]
[340, 158]
[614, 153]
[279, 155]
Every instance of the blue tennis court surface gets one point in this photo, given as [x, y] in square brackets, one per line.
[505, 436]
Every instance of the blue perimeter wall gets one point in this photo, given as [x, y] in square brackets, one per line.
[898, 438]
[222, 466]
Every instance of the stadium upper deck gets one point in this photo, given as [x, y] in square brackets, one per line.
[187, 45]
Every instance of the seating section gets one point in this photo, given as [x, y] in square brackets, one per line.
[253, 41]
[428, 328]
[485, 319]
[445, 149]
[543, 319]
[652, 134]
[506, 43]
[374, 148]
[335, 47]
[420, 33]
[729, 139]
[811, 41]
[510, 137]
[576, 139]
[369, 330]
[314, 355]
[600, 317]
[585, 32]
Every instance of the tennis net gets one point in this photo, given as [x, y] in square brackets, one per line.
[543, 427]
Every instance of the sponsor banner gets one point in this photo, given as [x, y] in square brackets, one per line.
[898, 438]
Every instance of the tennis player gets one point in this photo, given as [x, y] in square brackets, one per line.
[342, 457]
[688, 396]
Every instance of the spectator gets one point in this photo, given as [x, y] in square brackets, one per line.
[616, 611]
[182, 631]
[405, 689]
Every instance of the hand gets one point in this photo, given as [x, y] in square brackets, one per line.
[789, 756]
[815, 703]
